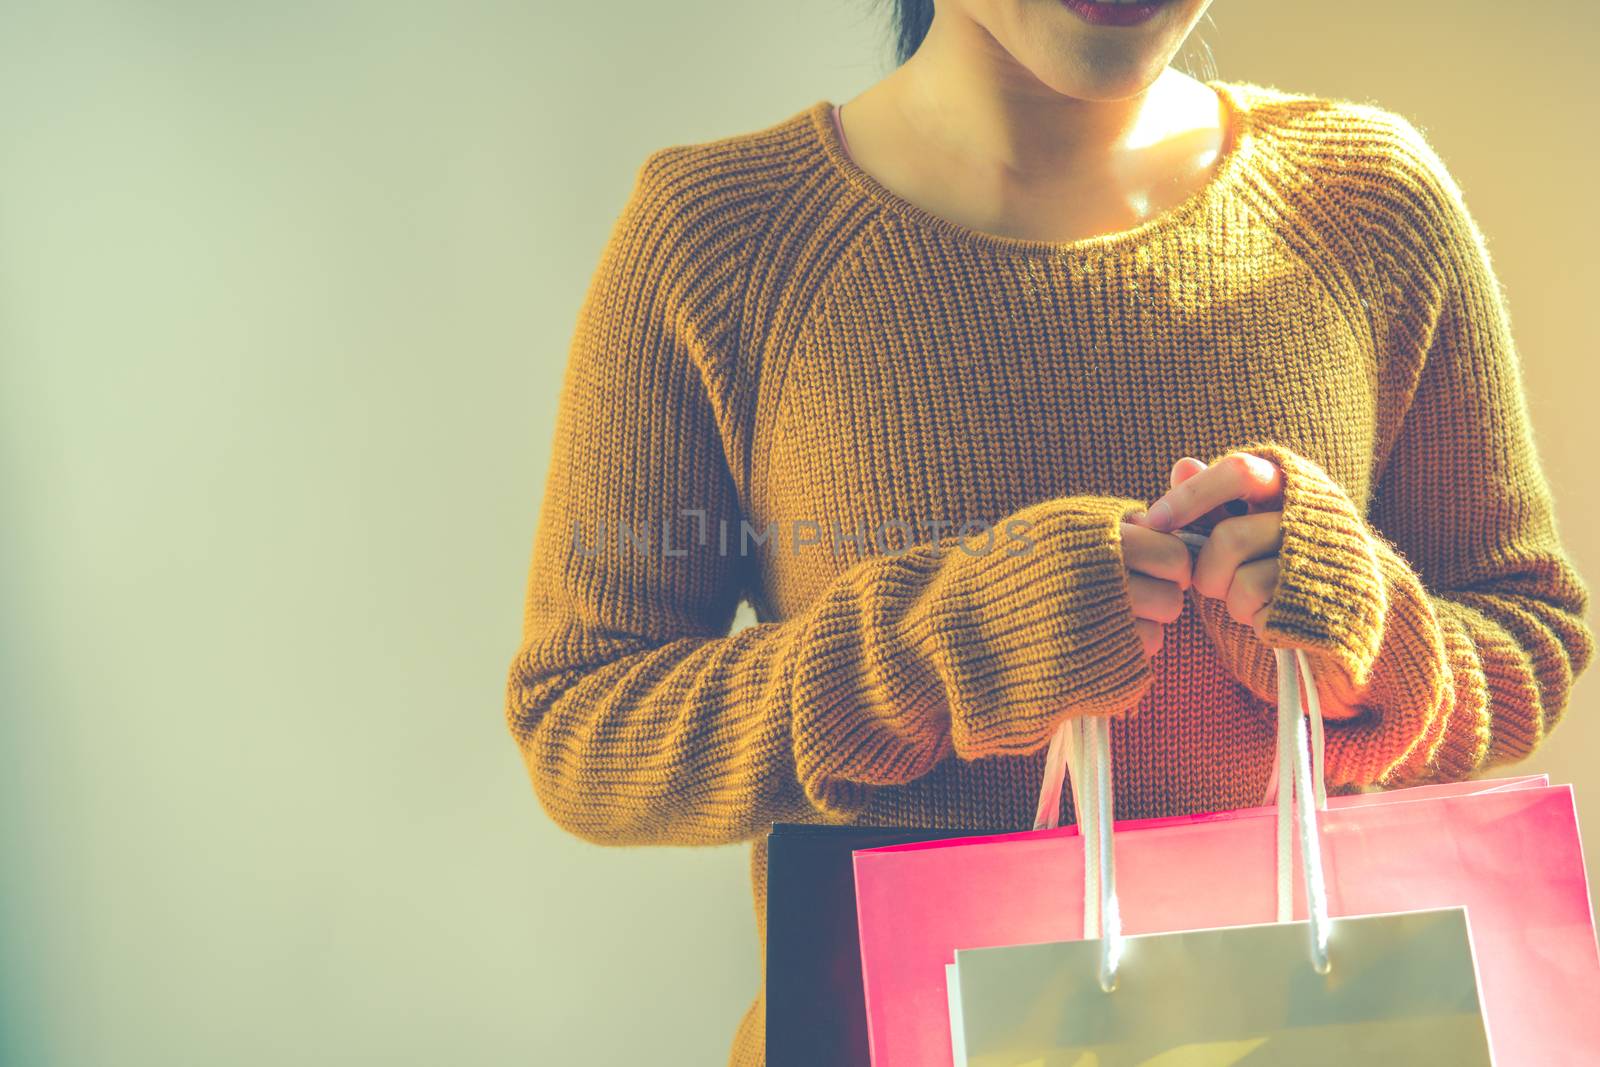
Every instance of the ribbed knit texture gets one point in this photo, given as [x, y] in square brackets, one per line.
[774, 337]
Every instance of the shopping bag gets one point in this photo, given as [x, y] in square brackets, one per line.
[815, 1009]
[1240, 995]
[1508, 851]
[815, 1012]
[1325, 992]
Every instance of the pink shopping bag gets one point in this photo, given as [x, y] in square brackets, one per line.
[1508, 851]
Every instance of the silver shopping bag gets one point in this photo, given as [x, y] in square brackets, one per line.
[1381, 989]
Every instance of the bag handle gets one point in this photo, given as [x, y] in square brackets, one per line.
[1080, 756]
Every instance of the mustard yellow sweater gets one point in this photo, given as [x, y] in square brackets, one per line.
[791, 386]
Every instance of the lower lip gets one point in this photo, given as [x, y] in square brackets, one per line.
[1114, 14]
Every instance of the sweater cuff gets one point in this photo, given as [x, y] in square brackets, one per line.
[974, 649]
[1331, 595]
[1042, 630]
[1404, 730]
[1370, 628]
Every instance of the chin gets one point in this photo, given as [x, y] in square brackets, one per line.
[1101, 82]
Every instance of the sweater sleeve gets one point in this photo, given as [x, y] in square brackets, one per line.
[1449, 617]
[640, 718]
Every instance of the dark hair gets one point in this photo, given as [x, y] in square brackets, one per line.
[911, 21]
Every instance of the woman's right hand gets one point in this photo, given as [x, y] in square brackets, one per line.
[1159, 569]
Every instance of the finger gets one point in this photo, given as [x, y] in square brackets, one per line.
[1251, 591]
[1184, 469]
[1154, 599]
[1209, 520]
[1158, 555]
[1234, 542]
[1209, 495]
[1150, 635]
[1236, 476]
[1187, 468]
[1258, 621]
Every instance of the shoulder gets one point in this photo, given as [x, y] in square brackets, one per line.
[1374, 175]
[706, 202]
[1333, 130]
[1376, 163]
[695, 238]
[750, 160]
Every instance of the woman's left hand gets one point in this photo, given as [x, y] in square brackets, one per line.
[1239, 563]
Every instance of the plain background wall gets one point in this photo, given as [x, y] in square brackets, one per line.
[285, 294]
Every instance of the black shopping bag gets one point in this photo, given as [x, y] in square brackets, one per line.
[816, 1011]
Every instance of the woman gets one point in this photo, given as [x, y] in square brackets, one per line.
[930, 379]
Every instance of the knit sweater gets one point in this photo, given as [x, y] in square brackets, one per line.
[909, 445]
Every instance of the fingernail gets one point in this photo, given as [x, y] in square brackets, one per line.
[1159, 517]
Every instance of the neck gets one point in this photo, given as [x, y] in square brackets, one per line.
[963, 93]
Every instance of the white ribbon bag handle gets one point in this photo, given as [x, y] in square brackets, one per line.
[1080, 755]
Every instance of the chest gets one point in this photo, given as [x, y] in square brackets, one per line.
[995, 381]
